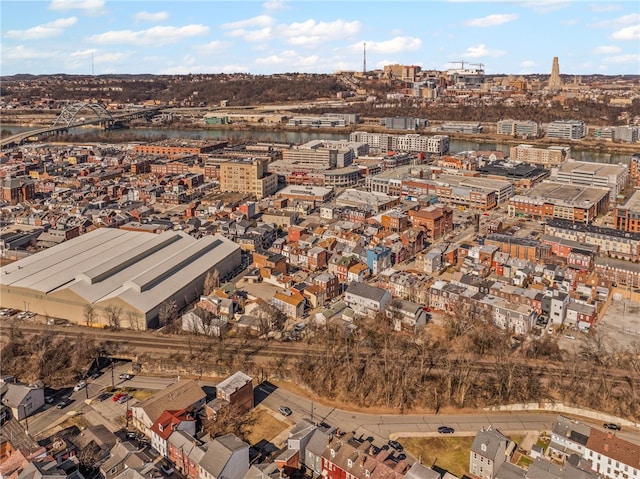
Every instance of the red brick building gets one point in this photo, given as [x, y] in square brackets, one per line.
[437, 221]
[16, 190]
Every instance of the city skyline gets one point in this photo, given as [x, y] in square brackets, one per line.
[277, 36]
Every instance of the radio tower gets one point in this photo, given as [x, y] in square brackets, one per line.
[364, 63]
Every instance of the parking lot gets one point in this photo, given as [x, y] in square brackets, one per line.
[621, 321]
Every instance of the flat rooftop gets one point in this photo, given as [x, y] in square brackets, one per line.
[633, 203]
[591, 168]
[574, 195]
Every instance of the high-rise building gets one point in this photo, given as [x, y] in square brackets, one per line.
[567, 129]
[552, 156]
[555, 82]
[518, 128]
[248, 176]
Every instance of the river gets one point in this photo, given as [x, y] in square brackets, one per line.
[297, 137]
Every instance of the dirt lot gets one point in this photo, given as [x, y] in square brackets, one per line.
[266, 426]
[450, 453]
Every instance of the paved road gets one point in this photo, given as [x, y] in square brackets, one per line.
[381, 426]
[385, 426]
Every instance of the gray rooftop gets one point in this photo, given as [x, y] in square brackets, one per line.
[141, 269]
[234, 382]
[487, 443]
[366, 291]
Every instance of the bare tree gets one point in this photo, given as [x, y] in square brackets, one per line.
[230, 419]
[168, 315]
[89, 314]
[135, 322]
[211, 282]
[113, 316]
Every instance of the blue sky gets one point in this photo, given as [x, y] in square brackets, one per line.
[277, 36]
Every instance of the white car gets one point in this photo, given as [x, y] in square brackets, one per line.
[80, 385]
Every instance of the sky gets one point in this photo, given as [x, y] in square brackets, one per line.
[284, 36]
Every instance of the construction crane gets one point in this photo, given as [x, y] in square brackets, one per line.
[481, 65]
[461, 62]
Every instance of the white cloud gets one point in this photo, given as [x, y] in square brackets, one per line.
[193, 68]
[570, 22]
[46, 30]
[492, 20]
[261, 35]
[212, 47]
[527, 64]
[627, 33]
[88, 7]
[151, 17]
[630, 58]
[546, 6]
[289, 57]
[311, 32]
[630, 19]
[259, 21]
[603, 7]
[155, 36]
[606, 50]
[19, 52]
[274, 5]
[480, 51]
[395, 45]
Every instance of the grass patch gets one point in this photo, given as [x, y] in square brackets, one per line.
[543, 442]
[264, 426]
[517, 439]
[524, 461]
[451, 453]
[142, 394]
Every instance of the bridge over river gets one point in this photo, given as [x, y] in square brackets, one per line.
[68, 118]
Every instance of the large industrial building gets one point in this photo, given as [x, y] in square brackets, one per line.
[589, 173]
[112, 275]
[552, 200]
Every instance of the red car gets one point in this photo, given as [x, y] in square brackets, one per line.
[117, 396]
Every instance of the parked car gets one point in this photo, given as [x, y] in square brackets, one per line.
[64, 403]
[80, 385]
[168, 470]
[117, 396]
[446, 430]
[123, 399]
[612, 426]
[104, 397]
[396, 445]
[285, 411]
[125, 376]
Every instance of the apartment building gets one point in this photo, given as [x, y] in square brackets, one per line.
[248, 176]
[617, 243]
[518, 128]
[436, 220]
[179, 148]
[588, 173]
[567, 129]
[17, 190]
[549, 200]
[627, 216]
[548, 157]
[462, 127]
[316, 157]
[634, 169]
[436, 144]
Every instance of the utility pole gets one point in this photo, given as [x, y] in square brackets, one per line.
[113, 382]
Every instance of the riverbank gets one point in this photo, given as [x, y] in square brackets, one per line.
[582, 150]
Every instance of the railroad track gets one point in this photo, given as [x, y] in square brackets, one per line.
[206, 349]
